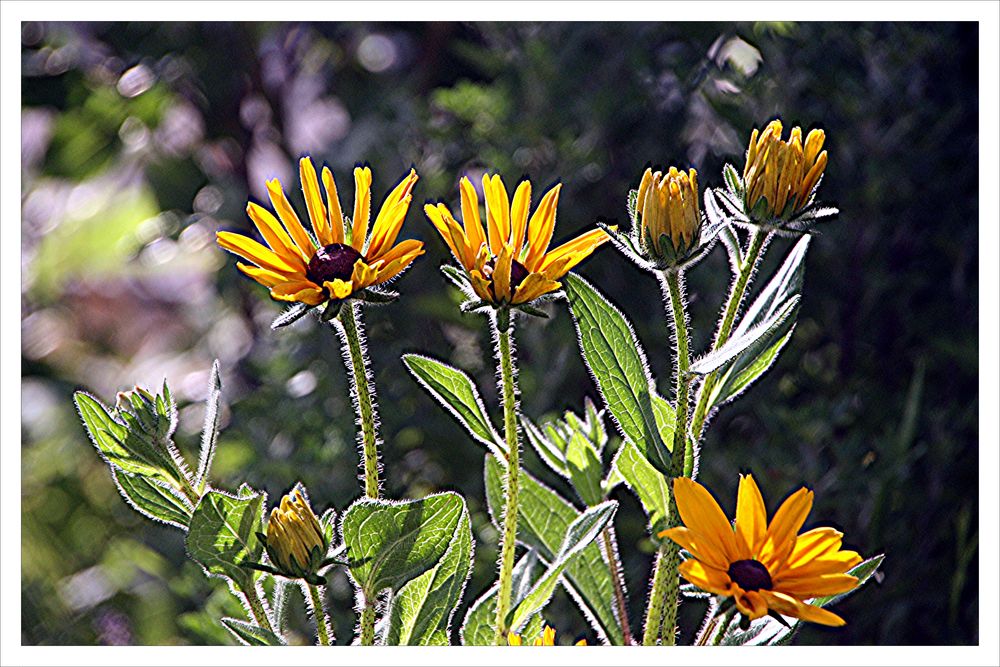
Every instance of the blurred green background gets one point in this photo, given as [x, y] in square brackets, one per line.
[140, 140]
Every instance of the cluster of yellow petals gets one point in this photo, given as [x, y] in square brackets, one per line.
[783, 172]
[546, 638]
[668, 204]
[508, 262]
[293, 531]
[799, 567]
[283, 264]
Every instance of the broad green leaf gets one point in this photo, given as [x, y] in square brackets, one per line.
[580, 534]
[390, 543]
[649, 484]
[585, 469]
[250, 634]
[768, 631]
[458, 394]
[544, 518]
[113, 441]
[744, 345]
[222, 535]
[210, 431]
[479, 626]
[153, 499]
[744, 371]
[618, 364]
[421, 612]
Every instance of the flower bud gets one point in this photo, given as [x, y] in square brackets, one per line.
[668, 216]
[780, 176]
[295, 541]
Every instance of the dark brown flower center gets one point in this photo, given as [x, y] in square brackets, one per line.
[518, 272]
[750, 575]
[331, 262]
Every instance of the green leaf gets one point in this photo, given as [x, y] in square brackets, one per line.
[250, 634]
[479, 626]
[421, 612]
[618, 364]
[390, 543]
[743, 345]
[222, 535]
[585, 469]
[769, 631]
[580, 534]
[290, 315]
[210, 431]
[458, 394]
[154, 500]
[649, 484]
[544, 517]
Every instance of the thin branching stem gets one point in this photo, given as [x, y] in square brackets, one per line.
[256, 605]
[319, 613]
[365, 405]
[503, 331]
[751, 258]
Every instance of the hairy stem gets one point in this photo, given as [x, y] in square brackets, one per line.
[363, 393]
[368, 623]
[257, 610]
[754, 251]
[661, 615]
[617, 580]
[319, 613]
[508, 388]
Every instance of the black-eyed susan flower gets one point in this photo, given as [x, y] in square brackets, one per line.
[342, 258]
[668, 229]
[296, 543]
[779, 181]
[510, 264]
[764, 567]
[546, 638]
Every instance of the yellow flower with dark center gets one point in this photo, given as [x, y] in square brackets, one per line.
[295, 541]
[338, 260]
[763, 567]
[780, 176]
[546, 638]
[510, 263]
[669, 213]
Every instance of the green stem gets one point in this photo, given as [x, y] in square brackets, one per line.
[723, 626]
[508, 388]
[319, 613]
[368, 624]
[617, 580]
[260, 615]
[754, 251]
[363, 393]
[661, 614]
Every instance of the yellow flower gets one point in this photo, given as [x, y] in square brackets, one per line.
[295, 541]
[780, 176]
[337, 261]
[669, 213]
[510, 263]
[763, 567]
[546, 638]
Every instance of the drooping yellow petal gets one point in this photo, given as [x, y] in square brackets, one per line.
[314, 202]
[339, 289]
[789, 606]
[532, 287]
[541, 227]
[362, 207]
[249, 249]
[276, 236]
[481, 285]
[751, 516]
[751, 604]
[701, 514]
[298, 290]
[363, 275]
[289, 218]
[333, 206]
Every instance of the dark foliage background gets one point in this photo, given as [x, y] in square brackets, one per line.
[139, 141]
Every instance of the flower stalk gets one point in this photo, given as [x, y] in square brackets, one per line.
[257, 610]
[508, 387]
[349, 327]
[319, 613]
[614, 565]
[368, 624]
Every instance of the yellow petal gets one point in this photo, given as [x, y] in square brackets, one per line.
[390, 270]
[706, 578]
[276, 236]
[363, 275]
[470, 215]
[362, 206]
[534, 286]
[333, 206]
[265, 277]
[812, 587]
[701, 514]
[780, 538]
[339, 289]
[519, 216]
[298, 290]
[497, 212]
[450, 231]
[541, 227]
[501, 275]
[751, 604]
[481, 286]
[579, 248]
[814, 544]
[289, 218]
[249, 249]
[688, 539]
[391, 216]
[314, 202]
[751, 516]
[789, 606]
